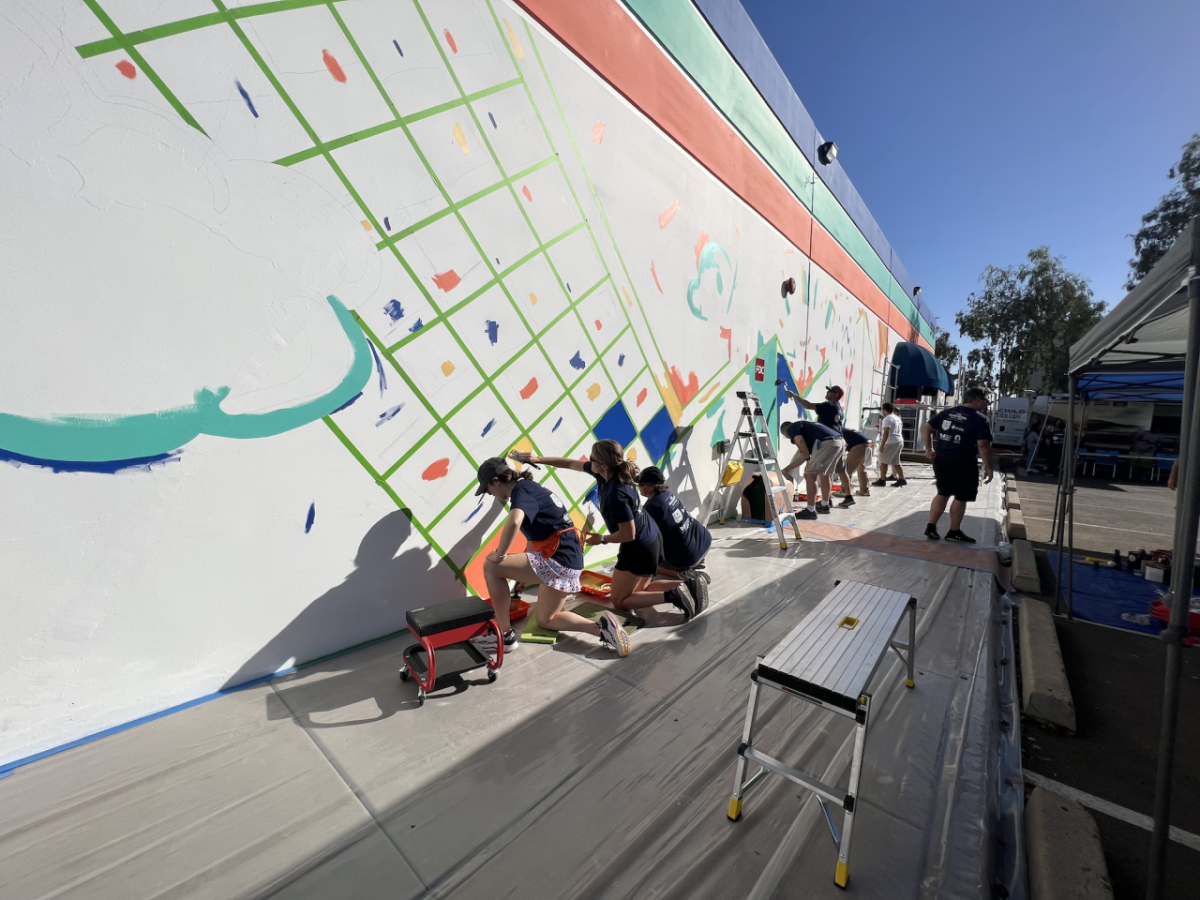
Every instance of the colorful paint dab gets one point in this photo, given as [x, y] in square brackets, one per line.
[641, 397]
[379, 369]
[655, 274]
[493, 330]
[447, 368]
[727, 335]
[628, 299]
[450, 40]
[393, 310]
[473, 513]
[530, 389]
[312, 517]
[388, 414]
[492, 119]
[487, 428]
[366, 225]
[396, 44]
[599, 325]
[621, 360]
[685, 391]
[246, 97]
[525, 191]
[436, 470]
[556, 424]
[708, 394]
[631, 454]
[460, 138]
[387, 226]
[532, 299]
[334, 67]
[417, 326]
[125, 67]
[598, 132]
[447, 281]
[665, 217]
[700, 244]
[577, 361]
[512, 39]
[594, 391]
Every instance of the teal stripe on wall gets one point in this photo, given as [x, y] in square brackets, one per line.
[684, 33]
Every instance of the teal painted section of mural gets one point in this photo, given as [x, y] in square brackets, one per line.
[105, 438]
[681, 29]
[765, 389]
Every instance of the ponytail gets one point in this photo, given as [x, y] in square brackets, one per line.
[610, 453]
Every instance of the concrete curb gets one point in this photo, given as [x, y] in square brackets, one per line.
[1066, 859]
[1045, 691]
[1025, 571]
[1014, 520]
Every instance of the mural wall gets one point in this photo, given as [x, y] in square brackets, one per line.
[277, 277]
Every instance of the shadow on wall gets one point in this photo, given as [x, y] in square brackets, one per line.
[374, 597]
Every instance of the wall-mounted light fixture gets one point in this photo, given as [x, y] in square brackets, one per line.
[789, 287]
[916, 292]
[827, 153]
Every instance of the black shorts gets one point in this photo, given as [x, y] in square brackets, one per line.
[957, 478]
[638, 559]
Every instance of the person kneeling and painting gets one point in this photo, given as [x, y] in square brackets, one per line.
[634, 581]
[554, 557]
[685, 541]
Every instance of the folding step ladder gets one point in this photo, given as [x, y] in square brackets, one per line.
[752, 445]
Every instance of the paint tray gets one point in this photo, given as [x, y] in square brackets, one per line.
[595, 583]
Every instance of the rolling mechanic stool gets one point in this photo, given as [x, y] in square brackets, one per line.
[449, 627]
[829, 660]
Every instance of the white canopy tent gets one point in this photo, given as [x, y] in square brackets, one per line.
[1148, 348]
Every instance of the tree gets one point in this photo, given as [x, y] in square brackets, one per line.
[1169, 217]
[1027, 317]
[945, 352]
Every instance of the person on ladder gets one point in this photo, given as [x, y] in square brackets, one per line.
[635, 584]
[685, 541]
[822, 447]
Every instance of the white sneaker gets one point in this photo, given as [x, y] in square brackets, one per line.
[613, 636]
[487, 643]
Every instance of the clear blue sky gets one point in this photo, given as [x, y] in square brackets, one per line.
[976, 132]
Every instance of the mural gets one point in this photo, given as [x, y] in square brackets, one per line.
[401, 236]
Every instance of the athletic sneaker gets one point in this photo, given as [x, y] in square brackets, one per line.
[880, 483]
[487, 643]
[697, 584]
[823, 508]
[931, 532]
[806, 514]
[846, 503]
[958, 537]
[681, 598]
[613, 636]
[900, 482]
[862, 493]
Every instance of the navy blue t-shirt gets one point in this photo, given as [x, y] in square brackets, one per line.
[618, 503]
[956, 432]
[812, 432]
[853, 438]
[685, 541]
[830, 415]
[544, 515]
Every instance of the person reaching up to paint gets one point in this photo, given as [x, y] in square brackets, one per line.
[554, 557]
[634, 583]
[828, 413]
[685, 541]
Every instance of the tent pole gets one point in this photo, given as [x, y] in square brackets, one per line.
[1060, 508]
[1068, 455]
[1183, 556]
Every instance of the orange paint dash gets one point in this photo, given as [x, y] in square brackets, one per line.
[436, 470]
[334, 67]
[665, 217]
[747, 357]
[641, 398]
[655, 274]
[366, 225]
[447, 281]
[532, 299]
[598, 132]
[447, 368]
[525, 191]
[685, 391]
[594, 391]
[530, 389]
[598, 325]
[625, 291]
[125, 67]
[450, 39]
[738, 230]
[727, 335]
[700, 242]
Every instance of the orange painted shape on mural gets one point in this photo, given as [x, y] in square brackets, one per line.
[641, 397]
[631, 454]
[530, 389]
[665, 217]
[823, 349]
[512, 38]
[474, 570]
[125, 67]
[525, 191]
[532, 299]
[437, 469]
[594, 391]
[366, 225]
[700, 242]
[685, 391]
[460, 138]
[655, 274]
[727, 335]
[450, 40]
[447, 281]
[598, 132]
[598, 325]
[447, 368]
[625, 291]
[334, 67]
[670, 398]
[708, 394]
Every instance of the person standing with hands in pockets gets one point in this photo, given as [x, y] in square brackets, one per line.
[952, 438]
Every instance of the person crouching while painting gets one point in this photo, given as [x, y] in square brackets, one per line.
[634, 583]
[554, 557]
[685, 541]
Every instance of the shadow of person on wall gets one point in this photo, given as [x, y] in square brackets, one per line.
[394, 571]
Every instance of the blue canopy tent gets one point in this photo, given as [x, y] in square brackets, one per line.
[916, 367]
[1148, 348]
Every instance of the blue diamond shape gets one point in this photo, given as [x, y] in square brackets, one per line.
[616, 425]
[659, 434]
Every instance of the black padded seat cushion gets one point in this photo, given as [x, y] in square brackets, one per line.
[445, 616]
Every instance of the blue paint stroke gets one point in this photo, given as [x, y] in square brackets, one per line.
[416, 327]
[394, 310]
[312, 517]
[349, 402]
[379, 369]
[103, 438]
[577, 361]
[108, 467]
[708, 261]
[396, 44]
[388, 414]
[246, 97]
[493, 118]
[473, 513]
[387, 226]
[556, 424]
[568, 287]
[621, 360]
[487, 428]
[493, 331]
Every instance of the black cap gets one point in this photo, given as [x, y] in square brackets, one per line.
[489, 469]
[651, 475]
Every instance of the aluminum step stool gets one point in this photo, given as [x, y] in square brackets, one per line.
[829, 659]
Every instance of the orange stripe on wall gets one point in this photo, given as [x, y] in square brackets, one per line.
[607, 39]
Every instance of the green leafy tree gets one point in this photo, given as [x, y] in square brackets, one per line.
[944, 351]
[1169, 217]
[1026, 318]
